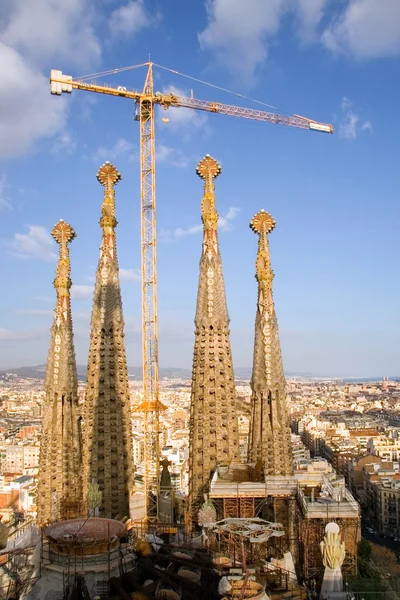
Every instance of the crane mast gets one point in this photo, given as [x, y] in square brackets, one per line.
[150, 405]
[145, 101]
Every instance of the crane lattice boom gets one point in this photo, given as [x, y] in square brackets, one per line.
[64, 83]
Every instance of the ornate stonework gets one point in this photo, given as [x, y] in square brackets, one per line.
[332, 548]
[108, 456]
[333, 554]
[59, 493]
[213, 420]
[269, 439]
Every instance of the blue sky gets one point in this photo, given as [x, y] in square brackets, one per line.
[335, 249]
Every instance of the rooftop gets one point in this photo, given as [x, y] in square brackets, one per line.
[84, 530]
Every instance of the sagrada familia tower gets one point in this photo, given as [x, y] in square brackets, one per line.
[108, 455]
[269, 440]
[59, 494]
[214, 439]
[86, 457]
[83, 446]
[214, 435]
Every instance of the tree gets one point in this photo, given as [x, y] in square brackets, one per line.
[386, 561]
[364, 549]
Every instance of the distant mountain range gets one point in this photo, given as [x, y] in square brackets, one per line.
[39, 371]
[135, 373]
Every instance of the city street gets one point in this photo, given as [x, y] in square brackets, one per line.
[376, 538]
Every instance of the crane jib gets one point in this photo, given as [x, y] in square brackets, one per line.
[60, 83]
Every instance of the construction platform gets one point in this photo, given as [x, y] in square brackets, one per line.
[304, 503]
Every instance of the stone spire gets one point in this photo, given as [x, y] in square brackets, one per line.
[59, 493]
[269, 439]
[108, 456]
[213, 421]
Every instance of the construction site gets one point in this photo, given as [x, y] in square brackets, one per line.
[252, 529]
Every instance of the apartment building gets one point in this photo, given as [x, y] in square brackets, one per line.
[386, 447]
[382, 496]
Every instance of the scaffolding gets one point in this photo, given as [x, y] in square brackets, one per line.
[303, 517]
[16, 569]
[19, 571]
[312, 532]
[174, 566]
[249, 550]
[67, 561]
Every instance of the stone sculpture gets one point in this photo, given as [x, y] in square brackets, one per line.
[333, 554]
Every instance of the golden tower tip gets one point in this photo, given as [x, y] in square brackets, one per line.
[63, 232]
[108, 172]
[262, 222]
[208, 166]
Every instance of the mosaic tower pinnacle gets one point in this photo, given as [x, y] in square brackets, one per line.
[269, 439]
[108, 457]
[59, 494]
[213, 421]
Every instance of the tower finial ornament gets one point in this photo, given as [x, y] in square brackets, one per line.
[208, 169]
[262, 223]
[108, 174]
[63, 233]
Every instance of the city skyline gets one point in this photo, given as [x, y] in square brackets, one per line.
[334, 198]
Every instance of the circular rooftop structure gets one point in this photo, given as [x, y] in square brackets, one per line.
[85, 536]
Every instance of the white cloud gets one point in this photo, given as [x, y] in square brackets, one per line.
[224, 223]
[130, 274]
[131, 18]
[63, 144]
[237, 31]
[36, 243]
[366, 29]
[4, 199]
[62, 30]
[350, 123]
[180, 119]
[309, 14]
[27, 111]
[57, 29]
[121, 146]
[81, 291]
[172, 156]
[180, 232]
[367, 126]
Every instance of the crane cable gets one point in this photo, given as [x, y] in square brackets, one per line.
[110, 72]
[173, 71]
[217, 87]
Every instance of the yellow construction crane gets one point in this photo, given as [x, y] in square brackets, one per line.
[145, 102]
